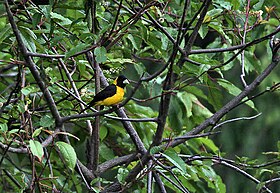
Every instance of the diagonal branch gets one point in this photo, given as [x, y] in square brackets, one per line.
[231, 104]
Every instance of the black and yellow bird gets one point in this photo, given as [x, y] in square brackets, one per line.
[111, 95]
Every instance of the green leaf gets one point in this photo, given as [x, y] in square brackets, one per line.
[103, 133]
[3, 127]
[36, 19]
[76, 49]
[122, 60]
[264, 170]
[5, 32]
[29, 89]
[209, 143]
[28, 38]
[68, 154]
[36, 132]
[272, 21]
[59, 18]
[106, 152]
[66, 105]
[173, 157]
[122, 173]
[82, 67]
[155, 41]
[21, 106]
[28, 31]
[199, 110]
[100, 54]
[258, 5]
[208, 174]
[203, 30]
[260, 185]
[46, 121]
[215, 96]
[215, 12]
[155, 149]
[36, 149]
[135, 43]
[217, 26]
[192, 171]
[186, 99]
[220, 186]
[164, 42]
[139, 68]
[233, 90]
[222, 4]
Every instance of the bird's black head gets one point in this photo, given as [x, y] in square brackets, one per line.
[121, 81]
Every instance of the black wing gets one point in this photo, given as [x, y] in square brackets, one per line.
[105, 93]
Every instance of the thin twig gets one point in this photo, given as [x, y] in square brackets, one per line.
[235, 119]
[190, 136]
[230, 164]
[247, 175]
[256, 41]
[116, 18]
[169, 169]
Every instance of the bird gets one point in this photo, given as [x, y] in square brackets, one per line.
[110, 95]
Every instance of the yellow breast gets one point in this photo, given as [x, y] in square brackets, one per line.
[113, 100]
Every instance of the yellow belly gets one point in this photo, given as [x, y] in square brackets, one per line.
[113, 100]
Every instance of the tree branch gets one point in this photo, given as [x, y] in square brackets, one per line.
[159, 182]
[231, 104]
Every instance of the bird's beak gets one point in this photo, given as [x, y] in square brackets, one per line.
[126, 81]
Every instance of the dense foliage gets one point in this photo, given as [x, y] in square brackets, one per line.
[201, 74]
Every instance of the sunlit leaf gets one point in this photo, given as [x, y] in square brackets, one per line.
[36, 149]
[122, 173]
[37, 132]
[29, 89]
[100, 54]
